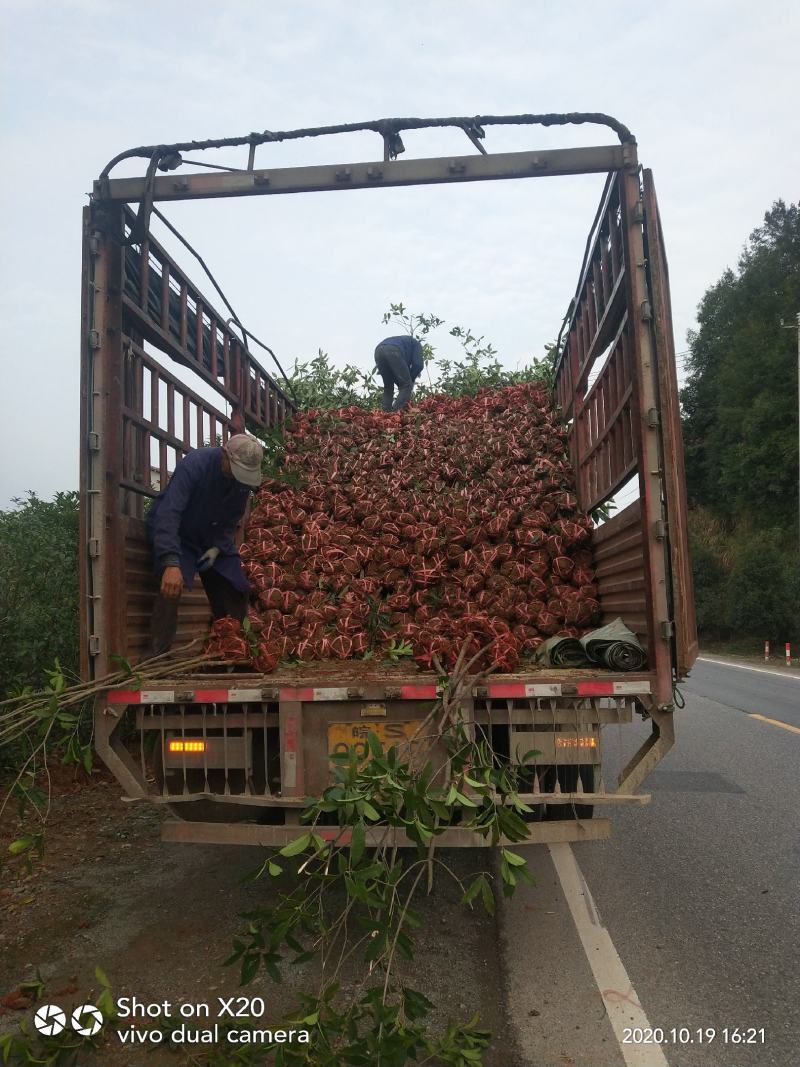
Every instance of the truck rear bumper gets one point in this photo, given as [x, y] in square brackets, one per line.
[236, 765]
[209, 833]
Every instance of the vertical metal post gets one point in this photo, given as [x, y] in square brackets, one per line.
[644, 400]
[102, 565]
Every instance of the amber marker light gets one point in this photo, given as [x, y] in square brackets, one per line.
[187, 746]
[576, 742]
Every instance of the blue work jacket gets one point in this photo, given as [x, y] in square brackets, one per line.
[412, 352]
[199, 509]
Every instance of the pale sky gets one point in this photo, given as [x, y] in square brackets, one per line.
[710, 89]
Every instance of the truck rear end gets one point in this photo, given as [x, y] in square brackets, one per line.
[233, 754]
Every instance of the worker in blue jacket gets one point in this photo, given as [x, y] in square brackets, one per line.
[191, 527]
[399, 362]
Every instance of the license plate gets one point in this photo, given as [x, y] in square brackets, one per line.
[344, 735]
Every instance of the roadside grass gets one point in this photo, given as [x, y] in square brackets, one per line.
[752, 653]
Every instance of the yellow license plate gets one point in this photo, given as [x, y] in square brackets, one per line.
[344, 735]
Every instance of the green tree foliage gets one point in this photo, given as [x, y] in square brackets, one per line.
[746, 582]
[763, 590]
[318, 383]
[740, 402]
[38, 589]
[740, 427]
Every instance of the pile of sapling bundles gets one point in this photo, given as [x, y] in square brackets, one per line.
[453, 521]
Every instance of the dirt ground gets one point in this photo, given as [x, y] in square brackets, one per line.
[159, 919]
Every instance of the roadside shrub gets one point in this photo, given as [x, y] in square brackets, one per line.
[709, 592]
[762, 591]
[38, 589]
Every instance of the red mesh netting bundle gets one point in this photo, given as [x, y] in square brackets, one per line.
[452, 520]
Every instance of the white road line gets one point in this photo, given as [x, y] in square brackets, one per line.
[619, 997]
[744, 667]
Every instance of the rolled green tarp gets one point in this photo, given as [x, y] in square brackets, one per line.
[616, 647]
[561, 652]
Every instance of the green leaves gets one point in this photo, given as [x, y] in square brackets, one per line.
[512, 868]
[22, 844]
[397, 650]
[346, 898]
[480, 886]
[357, 842]
[105, 998]
[26, 845]
[38, 588]
[318, 383]
[294, 848]
[368, 811]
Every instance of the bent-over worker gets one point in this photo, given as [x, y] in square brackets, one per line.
[399, 361]
[191, 527]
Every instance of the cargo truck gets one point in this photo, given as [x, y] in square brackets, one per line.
[233, 754]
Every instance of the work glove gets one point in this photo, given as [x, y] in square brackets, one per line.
[206, 561]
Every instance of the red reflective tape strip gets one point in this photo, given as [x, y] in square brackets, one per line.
[418, 692]
[211, 696]
[595, 689]
[124, 696]
[304, 693]
[511, 689]
[341, 837]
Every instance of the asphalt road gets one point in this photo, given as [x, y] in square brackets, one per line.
[698, 891]
[750, 689]
[696, 902]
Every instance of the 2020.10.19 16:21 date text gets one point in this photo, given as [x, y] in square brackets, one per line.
[683, 1035]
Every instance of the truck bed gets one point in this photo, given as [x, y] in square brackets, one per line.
[340, 676]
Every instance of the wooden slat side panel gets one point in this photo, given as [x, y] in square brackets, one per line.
[619, 564]
[140, 585]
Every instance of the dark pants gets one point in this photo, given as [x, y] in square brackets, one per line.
[224, 598]
[394, 371]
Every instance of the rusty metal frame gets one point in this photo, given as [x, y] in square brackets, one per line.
[108, 721]
[625, 420]
[338, 177]
[616, 419]
[170, 157]
[681, 583]
[101, 438]
[289, 715]
[208, 833]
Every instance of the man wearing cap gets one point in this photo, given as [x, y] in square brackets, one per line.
[399, 361]
[191, 526]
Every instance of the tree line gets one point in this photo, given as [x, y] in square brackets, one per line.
[740, 419]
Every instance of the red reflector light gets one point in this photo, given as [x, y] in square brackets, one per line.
[187, 746]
